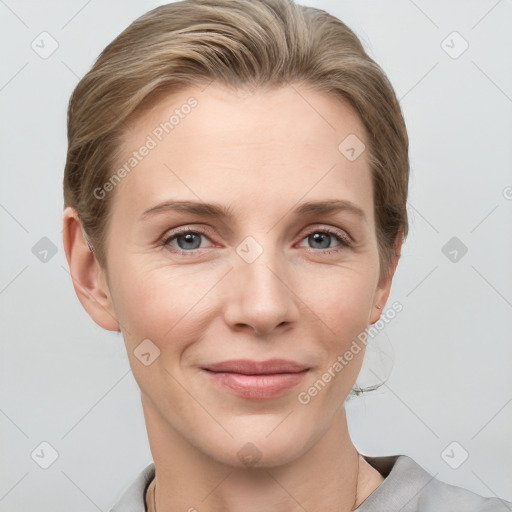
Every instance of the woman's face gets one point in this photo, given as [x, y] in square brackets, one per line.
[269, 278]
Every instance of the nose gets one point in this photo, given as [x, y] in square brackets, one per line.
[260, 297]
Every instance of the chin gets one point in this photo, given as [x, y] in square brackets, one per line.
[260, 450]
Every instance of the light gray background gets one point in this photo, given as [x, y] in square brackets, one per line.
[66, 381]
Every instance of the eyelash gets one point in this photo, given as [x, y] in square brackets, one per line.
[344, 240]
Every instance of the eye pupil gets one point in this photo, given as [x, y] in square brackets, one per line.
[189, 238]
[321, 237]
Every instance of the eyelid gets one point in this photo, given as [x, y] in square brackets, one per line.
[345, 240]
[186, 229]
[171, 234]
[342, 233]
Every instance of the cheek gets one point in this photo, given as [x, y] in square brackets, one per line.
[343, 302]
[342, 297]
[165, 303]
[163, 306]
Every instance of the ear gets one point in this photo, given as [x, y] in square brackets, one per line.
[384, 286]
[89, 279]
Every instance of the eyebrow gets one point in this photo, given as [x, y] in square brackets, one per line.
[217, 210]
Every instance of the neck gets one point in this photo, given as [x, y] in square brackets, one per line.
[329, 476]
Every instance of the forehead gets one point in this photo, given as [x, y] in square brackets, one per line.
[211, 142]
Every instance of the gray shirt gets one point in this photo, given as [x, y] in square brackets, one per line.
[407, 487]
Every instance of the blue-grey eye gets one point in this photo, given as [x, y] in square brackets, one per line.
[322, 238]
[188, 241]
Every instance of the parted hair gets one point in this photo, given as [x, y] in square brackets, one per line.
[237, 43]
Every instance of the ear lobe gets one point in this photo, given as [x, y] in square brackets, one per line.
[384, 286]
[86, 273]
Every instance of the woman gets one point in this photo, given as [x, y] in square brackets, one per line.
[211, 147]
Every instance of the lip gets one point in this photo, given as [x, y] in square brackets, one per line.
[257, 379]
[251, 367]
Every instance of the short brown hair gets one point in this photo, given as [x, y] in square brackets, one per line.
[253, 43]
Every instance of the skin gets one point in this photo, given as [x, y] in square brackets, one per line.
[261, 153]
